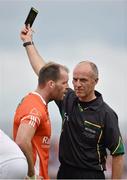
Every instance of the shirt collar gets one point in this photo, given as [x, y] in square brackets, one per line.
[94, 104]
[40, 97]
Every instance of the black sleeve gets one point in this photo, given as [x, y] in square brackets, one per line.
[112, 136]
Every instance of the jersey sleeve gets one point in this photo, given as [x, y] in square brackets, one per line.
[112, 135]
[32, 118]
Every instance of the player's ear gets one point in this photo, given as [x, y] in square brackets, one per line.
[51, 84]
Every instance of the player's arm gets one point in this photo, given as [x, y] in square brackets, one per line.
[23, 139]
[117, 166]
[36, 61]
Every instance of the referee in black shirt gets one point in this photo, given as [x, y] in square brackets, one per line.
[90, 126]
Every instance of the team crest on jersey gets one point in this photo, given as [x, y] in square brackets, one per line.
[35, 112]
[66, 118]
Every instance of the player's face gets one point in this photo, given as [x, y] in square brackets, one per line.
[61, 86]
[84, 82]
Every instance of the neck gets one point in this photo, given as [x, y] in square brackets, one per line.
[87, 98]
[43, 93]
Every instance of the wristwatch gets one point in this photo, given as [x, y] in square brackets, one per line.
[28, 43]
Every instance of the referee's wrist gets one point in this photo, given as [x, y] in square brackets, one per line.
[28, 43]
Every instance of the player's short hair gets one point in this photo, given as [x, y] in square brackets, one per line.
[51, 71]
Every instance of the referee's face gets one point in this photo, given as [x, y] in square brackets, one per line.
[84, 82]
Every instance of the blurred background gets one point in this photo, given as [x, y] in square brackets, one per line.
[67, 32]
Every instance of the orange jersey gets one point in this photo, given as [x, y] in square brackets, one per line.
[33, 111]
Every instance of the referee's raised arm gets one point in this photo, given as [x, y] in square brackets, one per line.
[36, 61]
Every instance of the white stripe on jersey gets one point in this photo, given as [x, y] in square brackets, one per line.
[33, 120]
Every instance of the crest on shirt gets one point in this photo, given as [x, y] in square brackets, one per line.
[35, 112]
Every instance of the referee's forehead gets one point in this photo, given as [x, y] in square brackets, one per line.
[83, 68]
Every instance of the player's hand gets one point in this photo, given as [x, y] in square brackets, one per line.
[35, 177]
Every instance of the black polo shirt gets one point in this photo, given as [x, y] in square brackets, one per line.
[88, 129]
